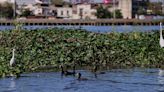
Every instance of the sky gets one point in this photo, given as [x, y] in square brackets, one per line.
[29, 1]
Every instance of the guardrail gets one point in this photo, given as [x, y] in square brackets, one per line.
[96, 22]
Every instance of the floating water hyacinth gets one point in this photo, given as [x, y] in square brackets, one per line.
[52, 47]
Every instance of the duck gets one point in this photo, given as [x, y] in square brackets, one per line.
[95, 70]
[161, 41]
[80, 78]
[67, 72]
[12, 61]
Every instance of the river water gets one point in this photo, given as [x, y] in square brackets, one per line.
[114, 80]
[101, 29]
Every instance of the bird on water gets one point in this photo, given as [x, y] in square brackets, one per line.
[80, 78]
[67, 72]
[12, 61]
[161, 41]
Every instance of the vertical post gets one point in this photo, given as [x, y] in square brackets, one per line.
[163, 7]
[114, 10]
[14, 9]
[0, 13]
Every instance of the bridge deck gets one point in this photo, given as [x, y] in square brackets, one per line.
[97, 22]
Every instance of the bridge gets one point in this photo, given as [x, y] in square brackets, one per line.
[77, 22]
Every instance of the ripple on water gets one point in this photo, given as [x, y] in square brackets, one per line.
[116, 80]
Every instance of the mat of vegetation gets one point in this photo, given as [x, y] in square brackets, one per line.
[52, 47]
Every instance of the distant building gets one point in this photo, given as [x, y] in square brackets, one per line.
[130, 8]
[2, 1]
[137, 5]
[126, 8]
[83, 11]
[163, 7]
[42, 8]
[81, 1]
[43, 2]
[10, 1]
[64, 12]
[30, 7]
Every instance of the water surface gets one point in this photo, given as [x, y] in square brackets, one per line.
[101, 29]
[115, 80]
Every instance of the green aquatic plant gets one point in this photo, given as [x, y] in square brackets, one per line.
[18, 25]
[53, 47]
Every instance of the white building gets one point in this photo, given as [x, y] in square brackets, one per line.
[42, 8]
[31, 7]
[126, 8]
[38, 11]
[83, 11]
[2, 1]
[43, 1]
[10, 1]
[64, 12]
[163, 6]
[81, 1]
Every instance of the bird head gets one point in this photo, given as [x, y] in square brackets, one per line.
[78, 75]
[61, 67]
[14, 49]
[160, 23]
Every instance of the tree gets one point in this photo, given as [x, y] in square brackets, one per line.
[103, 13]
[26, 13]
[57, 2]
[6, 10]
[155, 8]
[141, 10]
[118, 13]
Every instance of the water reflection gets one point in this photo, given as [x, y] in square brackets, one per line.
[161, 79]
[161, 72]
[12, 85]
